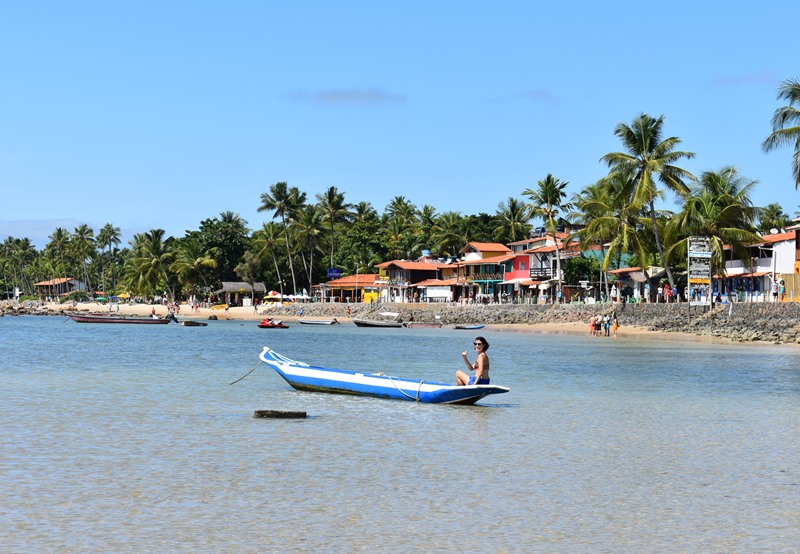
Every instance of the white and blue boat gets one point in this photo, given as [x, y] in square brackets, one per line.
[306, 377]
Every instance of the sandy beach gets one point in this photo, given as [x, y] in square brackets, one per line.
[290, 314]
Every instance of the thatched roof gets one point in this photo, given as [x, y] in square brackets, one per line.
[240, 286]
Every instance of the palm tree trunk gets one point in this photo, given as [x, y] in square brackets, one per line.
[667, 268]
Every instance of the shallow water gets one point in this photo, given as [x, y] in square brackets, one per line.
[118, 438]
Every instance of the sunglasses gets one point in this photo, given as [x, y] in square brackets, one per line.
[477, 344]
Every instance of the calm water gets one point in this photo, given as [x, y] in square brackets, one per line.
[130, 439]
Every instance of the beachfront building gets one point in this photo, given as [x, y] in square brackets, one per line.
[481, 272]
[55, 288]
[361, 287]
[241, 293]
[399, 278]
[774, 260]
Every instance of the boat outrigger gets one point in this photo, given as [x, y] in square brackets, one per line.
[102, 318]
[322, 379]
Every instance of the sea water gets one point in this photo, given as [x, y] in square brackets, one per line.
[126, 438]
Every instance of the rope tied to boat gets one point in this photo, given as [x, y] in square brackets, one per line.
[246, 374]
[401, 391]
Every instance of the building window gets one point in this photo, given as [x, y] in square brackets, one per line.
[522, 266]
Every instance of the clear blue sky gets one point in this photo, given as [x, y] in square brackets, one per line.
[161, 114]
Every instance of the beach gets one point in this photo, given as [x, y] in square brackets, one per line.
[291, 313]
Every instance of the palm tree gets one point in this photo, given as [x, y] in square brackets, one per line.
[448, 234]
[191, 262]
[512, 221]
[335, 211]
[266, 242]
[82, 244]
[107, 237]
[719, 208]
[59, 241]
[308, 227]
[648, 157]
[786, 125]
[547, 202]
[152, 256]
[284, 201]
[771, 217]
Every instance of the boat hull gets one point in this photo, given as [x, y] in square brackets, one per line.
[118, 319]
[317, 321]
[376, 323]
[470, 327]
[423, 325]
[321, 379]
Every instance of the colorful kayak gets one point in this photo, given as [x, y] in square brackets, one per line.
[322, 379]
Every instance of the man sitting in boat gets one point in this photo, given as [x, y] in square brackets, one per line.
[480, 367]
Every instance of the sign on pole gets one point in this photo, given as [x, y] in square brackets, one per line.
[699, 264]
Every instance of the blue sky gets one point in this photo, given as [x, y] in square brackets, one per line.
[161, 114]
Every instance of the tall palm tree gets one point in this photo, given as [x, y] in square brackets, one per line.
[284, 201]
[59, 242]
[107, 237]
[335, 211]
[512, 220]
[547, 202]
[649, 158]
[266, 242]
[611, 218]
[82, 244]
[308, 228]
[786, 125]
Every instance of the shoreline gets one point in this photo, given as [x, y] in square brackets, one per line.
[290, 314]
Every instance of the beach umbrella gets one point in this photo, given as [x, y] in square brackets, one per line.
[100, 298]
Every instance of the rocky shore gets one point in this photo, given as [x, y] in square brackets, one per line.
[740, 322]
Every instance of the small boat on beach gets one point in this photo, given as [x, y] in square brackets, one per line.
[269, 323]
[332, 321]
[389, 319]
[470, 327]
[103, 318]
[322, 379]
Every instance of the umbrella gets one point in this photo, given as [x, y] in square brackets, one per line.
[100, 298]
[123, 295]
[273, 294]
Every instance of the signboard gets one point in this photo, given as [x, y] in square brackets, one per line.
[699, 261]
[334, 273]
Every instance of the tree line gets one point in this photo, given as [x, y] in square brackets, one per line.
[304, 238]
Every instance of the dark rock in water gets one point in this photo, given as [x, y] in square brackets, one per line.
[212, 318]
[277, 414]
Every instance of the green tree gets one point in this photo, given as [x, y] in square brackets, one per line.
[547, 202]
[82, 245]
[771, 217]
[649, 158]
[284, 202]
[108, 237]
[152, 256]
[718, 208]
[512, 218]
[192, 262]
[335, 211]
[786, 125]
[266, 243]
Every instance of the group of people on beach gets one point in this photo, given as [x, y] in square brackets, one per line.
[603, 325]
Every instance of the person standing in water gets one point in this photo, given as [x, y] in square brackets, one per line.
[480, 367]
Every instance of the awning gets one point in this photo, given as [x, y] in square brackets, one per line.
[748, 275]
[515, 281]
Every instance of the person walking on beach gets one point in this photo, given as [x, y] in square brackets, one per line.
[480, 367]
